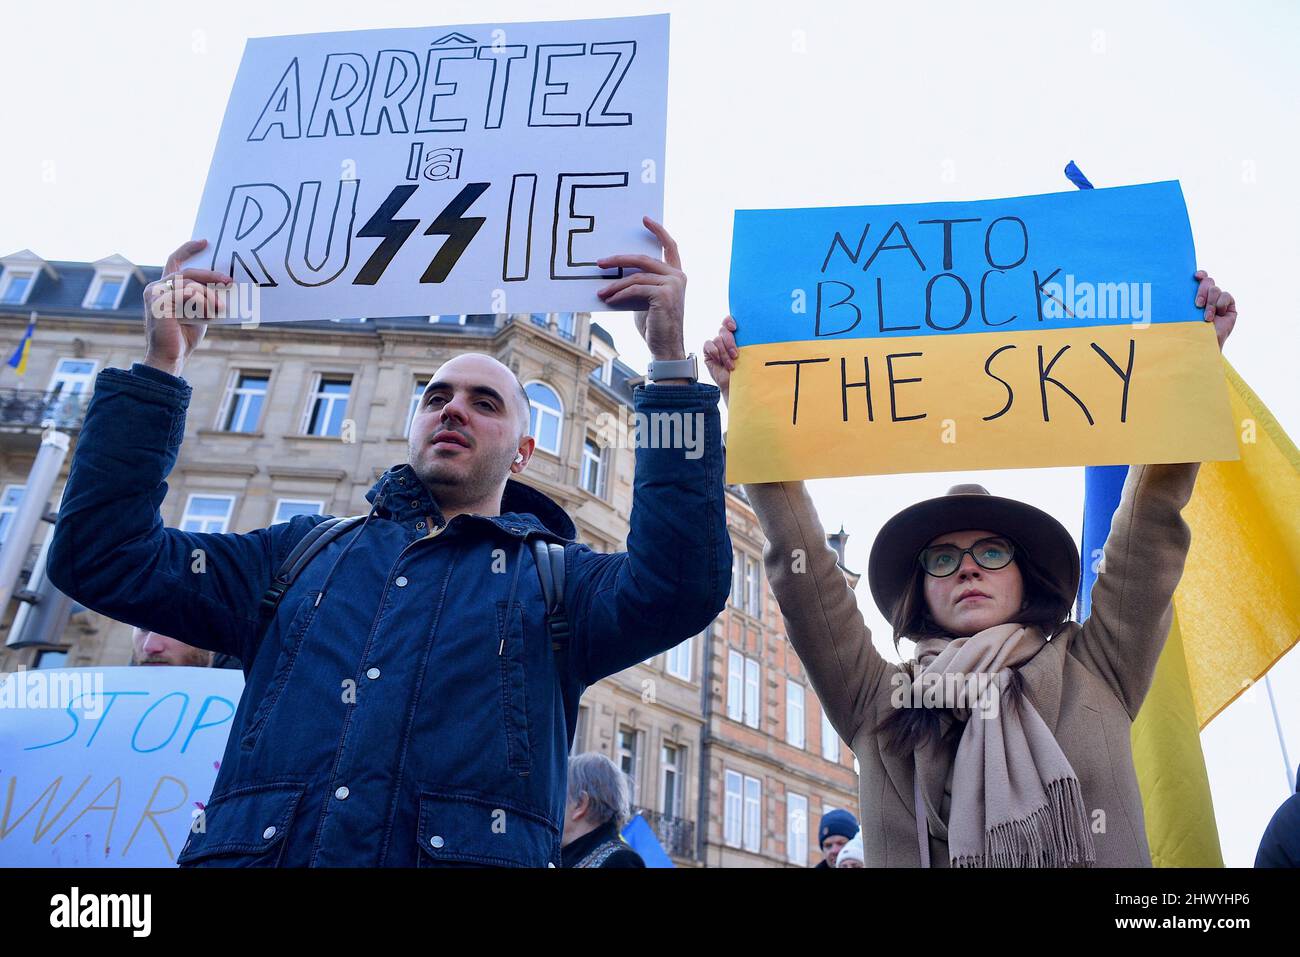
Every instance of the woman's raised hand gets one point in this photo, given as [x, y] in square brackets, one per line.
[1220, 308]
[721, 355]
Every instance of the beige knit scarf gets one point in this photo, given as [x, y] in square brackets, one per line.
[1016, 801]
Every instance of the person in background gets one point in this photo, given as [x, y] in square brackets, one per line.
[151, 648]
[594, 814]
[851, 854]
[836, 829]
[1280, 845]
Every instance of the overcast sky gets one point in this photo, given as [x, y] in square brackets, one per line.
[113, 110]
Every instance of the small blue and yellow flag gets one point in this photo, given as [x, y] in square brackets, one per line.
[19, 359]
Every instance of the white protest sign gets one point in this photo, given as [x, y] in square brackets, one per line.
[108, 767]
[466, 169]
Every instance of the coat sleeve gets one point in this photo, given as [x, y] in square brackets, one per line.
[1132, 598]
[110, 550]
[674, 577]
[822, 618]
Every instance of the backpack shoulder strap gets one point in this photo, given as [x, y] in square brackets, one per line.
[549, 558]
[308, 547]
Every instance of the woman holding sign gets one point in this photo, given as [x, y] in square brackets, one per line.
[1005, 741]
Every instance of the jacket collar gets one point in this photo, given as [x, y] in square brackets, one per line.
[524, 510]
[579, 848]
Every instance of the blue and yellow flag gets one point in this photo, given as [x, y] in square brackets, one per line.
[19, 359]
[1232, 619]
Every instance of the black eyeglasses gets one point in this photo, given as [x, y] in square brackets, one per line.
[988, 553]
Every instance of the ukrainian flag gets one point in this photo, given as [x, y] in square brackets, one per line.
[1232, 619]
[19, 359]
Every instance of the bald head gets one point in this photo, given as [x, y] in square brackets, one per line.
[489, 373]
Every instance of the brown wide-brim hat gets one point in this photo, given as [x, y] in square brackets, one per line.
[894, 553]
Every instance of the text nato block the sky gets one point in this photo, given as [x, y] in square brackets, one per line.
[1046, 330]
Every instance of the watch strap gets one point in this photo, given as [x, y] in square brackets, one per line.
[686, 368]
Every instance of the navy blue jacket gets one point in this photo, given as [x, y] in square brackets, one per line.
[407, 716]
[1280, 845]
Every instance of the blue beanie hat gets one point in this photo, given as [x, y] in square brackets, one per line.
[836, 821]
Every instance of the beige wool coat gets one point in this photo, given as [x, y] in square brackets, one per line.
[1087, 683]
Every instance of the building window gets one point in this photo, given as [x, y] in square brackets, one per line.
[287, 508]
[746, 579]
[16, 286]
[679, 659]
[733, 809]
[737, 579]
[593, 468]
[545, 416]
[629, 758]
[752, 840]
[241, 410]
[672, 780]
[51, 659]
[735, 685]
[105, 291]
[796, 828]
[794, 730]
[742, 688]
[72, 377]
[69, 386]
[328, 405]
[418, 386]
[9, 502]
[563, 322]
[830, 740]
[751, 692]
[753, 576]
[454, 320]
[207, 513]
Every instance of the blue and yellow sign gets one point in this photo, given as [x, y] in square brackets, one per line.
[1035, 331]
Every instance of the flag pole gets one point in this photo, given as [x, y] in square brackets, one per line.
[1277, 723]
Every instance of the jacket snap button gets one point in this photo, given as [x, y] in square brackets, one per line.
[268, 833]
[436, 841]
[341, 794]
[372, 674]
[401, 581]
[419, 524]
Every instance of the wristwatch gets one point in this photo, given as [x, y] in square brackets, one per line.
[660, 369]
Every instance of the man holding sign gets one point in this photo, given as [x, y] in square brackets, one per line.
[1005, 741]
[409, 702]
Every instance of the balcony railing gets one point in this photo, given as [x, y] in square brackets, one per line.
[32, 409]
[675, 834]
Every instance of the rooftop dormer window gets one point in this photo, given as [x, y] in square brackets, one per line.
[112, 276]
[21, 270]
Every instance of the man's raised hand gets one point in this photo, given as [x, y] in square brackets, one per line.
[177, 307]
[657, 293]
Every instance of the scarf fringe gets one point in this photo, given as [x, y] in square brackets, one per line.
[1055, 835]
